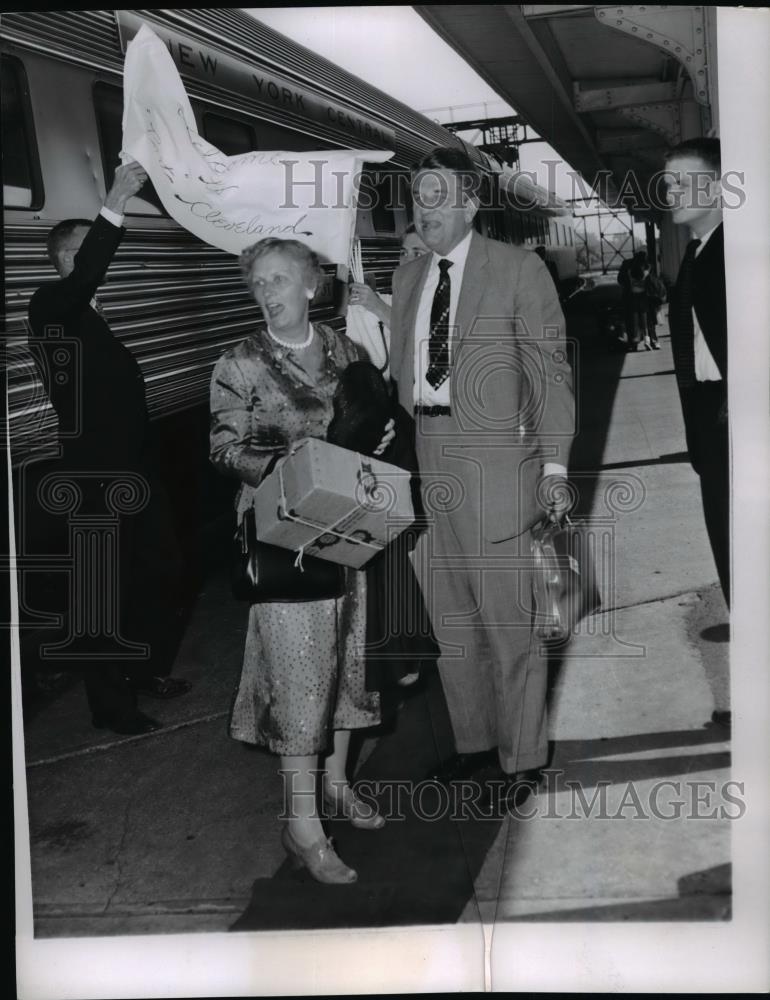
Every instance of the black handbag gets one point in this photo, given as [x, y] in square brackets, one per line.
[564, 579]
[262, 572]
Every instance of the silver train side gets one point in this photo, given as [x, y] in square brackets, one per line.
[176, 302]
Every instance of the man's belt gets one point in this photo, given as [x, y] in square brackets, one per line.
[432, 411]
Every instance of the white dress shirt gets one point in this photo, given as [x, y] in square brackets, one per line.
[114, 217]
[706, 369]
[424, 392]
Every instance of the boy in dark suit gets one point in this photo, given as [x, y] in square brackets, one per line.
[698, 322]
[101, 394]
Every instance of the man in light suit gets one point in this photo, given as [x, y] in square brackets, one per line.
[698, 322]
[478, 352]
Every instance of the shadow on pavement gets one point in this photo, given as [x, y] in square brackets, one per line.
[703, 895]
[582, 761]
[413, 871]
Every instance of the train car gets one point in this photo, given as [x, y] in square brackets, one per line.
[176, 302]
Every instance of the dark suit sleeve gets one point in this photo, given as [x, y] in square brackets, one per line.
[58, 301]
[542, 331]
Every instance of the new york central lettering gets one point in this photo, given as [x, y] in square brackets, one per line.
[282, 95]
[353, 124]
[184, 55]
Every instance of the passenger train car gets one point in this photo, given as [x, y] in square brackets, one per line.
[176, 302]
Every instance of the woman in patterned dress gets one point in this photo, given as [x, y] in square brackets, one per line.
[302, 687]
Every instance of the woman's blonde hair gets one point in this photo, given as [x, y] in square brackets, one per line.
[293, 249]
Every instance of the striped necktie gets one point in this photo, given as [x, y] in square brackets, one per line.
[438, 343]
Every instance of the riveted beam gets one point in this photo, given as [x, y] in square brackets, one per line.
[663, 118]
[678, 31]
[606, 98]
[626, 140]
[532, 10]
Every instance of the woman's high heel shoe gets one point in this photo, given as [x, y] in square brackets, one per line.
[320, 859]
[347, 803]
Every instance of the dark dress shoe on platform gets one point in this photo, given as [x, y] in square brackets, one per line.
[136, 724]
[463, 766]
[509, 792]
[161, 687]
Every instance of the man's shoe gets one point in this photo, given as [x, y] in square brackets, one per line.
[161, 687]
[722, 717]
[520, 786]
[136, 724]
[463, 766]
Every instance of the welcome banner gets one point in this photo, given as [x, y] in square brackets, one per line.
[231, 202]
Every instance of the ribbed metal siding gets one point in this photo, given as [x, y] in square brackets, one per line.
[88, 35]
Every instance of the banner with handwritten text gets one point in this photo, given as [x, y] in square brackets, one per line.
[231, 202]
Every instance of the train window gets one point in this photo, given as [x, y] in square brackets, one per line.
[108, 103]
[22, 183]
[378, 189]
[230, 136]
[276, 137]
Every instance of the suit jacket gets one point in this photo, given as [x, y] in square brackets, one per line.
[511, 382]
[93, 381]
[710, 305]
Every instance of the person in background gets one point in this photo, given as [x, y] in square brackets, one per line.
[657, 294]
[105, 388]
[368, 323]
[639, 305]
[302, 686]
[698, 322]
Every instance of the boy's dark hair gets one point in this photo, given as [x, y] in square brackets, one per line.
[705, 148]
[59, 235]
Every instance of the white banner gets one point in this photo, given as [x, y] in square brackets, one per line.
[231, 202]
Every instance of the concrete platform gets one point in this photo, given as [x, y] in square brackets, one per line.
[172, 831]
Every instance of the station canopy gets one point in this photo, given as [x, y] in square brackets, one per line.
[610, 88]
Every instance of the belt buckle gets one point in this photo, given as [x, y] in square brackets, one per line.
[436, 410]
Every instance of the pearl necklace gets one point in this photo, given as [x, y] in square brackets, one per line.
[291, 345]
